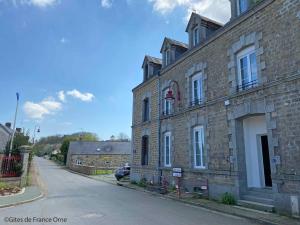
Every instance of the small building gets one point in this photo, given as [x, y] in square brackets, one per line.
[5, 134]
[87, 157]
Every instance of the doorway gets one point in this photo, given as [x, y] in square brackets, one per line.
[266, 161]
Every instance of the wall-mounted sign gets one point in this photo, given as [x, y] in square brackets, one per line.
[177, 174]
[177, 170]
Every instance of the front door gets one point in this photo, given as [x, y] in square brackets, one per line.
[266, 161]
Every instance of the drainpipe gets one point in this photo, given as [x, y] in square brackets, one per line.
[159, 129]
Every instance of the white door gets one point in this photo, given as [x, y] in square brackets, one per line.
[254, 127]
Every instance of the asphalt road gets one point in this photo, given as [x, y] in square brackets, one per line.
[77, 200]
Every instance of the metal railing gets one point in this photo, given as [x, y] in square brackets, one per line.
[11, 166]
[196, 102]
[246, 86]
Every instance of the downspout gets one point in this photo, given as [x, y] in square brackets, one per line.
[159, 129]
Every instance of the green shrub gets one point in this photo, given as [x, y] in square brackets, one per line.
[142, 182]
[228, 199]
[133, 182]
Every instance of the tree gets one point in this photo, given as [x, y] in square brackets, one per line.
[20, 139]
[82, 136]
[123, 137]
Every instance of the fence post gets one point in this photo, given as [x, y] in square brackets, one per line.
[25, 150]
[1, 158]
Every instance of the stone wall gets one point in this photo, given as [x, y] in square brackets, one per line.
[100, 161]
[273, 29]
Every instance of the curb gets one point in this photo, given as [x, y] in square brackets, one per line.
[23, 202]
[39, 185]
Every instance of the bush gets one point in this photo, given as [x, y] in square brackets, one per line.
[228, 199]
[142, 182]
[19, 169]
[133, 182]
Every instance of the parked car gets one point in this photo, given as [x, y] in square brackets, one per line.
[122, 172]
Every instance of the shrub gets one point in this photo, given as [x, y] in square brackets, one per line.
[142, 182]
[228, 199]
[133, 182]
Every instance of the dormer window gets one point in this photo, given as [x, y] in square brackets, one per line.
[195, 36]
[146, 72]
[167, 57]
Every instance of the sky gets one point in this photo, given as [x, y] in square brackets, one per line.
[75, 62]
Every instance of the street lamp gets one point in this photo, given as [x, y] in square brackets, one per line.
[170, 96]
[37, 129]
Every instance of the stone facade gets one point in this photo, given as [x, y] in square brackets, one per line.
[272, 29]
[100, 161]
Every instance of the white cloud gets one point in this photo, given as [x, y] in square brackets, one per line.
[39, 110]
[64, 40]
[42, 3]
[37, 3]
[61, 96]
[86, 97]
[106, 3]
[217, 9]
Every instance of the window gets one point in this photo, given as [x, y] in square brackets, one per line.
[146, 72]
[247, 69]
[195, 36]
[198, 146]
[78, 162]
[145, 150]
[167, 148]
[197, 89]
[167, 57]
[243, 6]
[167, 104]
[146, 110]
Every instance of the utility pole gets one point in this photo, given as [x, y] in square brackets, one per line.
[14, 128]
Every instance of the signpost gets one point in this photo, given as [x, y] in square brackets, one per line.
[177, 172]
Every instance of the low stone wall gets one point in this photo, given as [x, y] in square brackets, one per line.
[91, 170]
[16, 181]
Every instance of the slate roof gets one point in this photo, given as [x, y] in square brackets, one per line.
[174, 42]
[100, 148]
[202, 18]
[154, 60]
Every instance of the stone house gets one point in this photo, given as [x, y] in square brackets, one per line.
[225, 108]
[5, 134]
[101, 155]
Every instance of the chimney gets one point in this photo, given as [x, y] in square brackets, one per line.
[8, 125]
[18, 130]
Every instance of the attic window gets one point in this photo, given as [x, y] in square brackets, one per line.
[146, 72]
[195, 36]
[167, 57]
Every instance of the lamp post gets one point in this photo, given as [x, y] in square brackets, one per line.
[37, 129]
[14, 127]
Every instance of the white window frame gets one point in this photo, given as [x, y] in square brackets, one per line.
[239, 9]
[196, 36]
[167, 102]
[201, 143]
[78, 162]
[167, 134]
[199, 80]
[167, 57]
[246, 53]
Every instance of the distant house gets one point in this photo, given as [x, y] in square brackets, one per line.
[86, 156]
[5, 134]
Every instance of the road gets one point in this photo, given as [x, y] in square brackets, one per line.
[82, 201]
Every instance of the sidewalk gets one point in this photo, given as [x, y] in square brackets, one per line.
[254, 215]
[30, 194]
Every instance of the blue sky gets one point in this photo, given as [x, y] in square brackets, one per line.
[75, 62]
